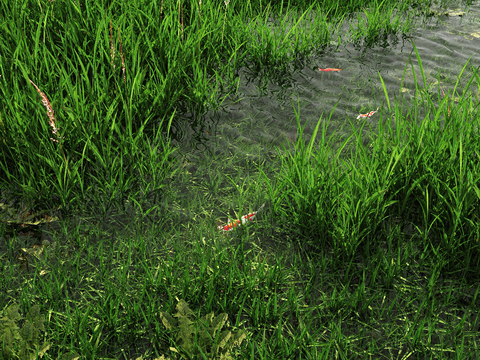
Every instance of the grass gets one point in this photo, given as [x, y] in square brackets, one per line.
[379, 260]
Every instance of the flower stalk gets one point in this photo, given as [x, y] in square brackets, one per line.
[51, 116]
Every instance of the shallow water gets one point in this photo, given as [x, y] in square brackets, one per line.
[261, 117]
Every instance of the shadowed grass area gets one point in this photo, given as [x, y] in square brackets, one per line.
[375, 256]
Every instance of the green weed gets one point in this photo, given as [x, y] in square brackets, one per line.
[22, 343]
[208, 341]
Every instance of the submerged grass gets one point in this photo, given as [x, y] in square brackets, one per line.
[379, 260]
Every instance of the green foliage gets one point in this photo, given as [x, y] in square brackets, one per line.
[21, 343]
[210, 342]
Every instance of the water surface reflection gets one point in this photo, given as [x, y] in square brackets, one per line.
[261, 117]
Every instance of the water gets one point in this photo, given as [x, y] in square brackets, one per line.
[260, 116]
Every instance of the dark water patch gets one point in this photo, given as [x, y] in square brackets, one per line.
[261, 115]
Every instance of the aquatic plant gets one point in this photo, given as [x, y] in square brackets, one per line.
[208, 341]
[22, 343]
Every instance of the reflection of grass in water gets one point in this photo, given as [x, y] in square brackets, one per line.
[334, 255]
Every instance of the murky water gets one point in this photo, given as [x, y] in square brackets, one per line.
[261, 115]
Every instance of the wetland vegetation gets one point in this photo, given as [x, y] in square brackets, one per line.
[377, 258]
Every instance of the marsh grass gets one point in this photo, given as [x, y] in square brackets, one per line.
[375, 256]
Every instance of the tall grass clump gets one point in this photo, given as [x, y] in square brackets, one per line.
[106, 124]
[425, 174]
[178, 59]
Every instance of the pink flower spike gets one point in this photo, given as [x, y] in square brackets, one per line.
[329, 69]
[121, 53]
[112, 49]
[367, 115]
[50, 112]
